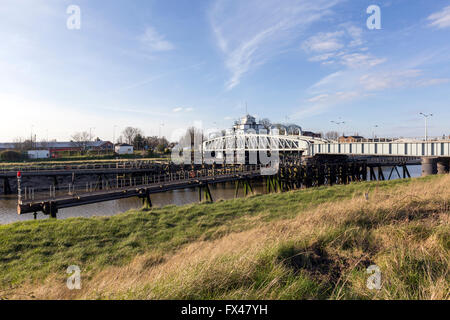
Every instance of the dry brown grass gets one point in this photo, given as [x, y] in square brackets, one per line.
[321, 253]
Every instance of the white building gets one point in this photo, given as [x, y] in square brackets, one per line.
[124, 149]
[38, 154]
[247, 123]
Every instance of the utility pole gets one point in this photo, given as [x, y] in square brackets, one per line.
[426, 123]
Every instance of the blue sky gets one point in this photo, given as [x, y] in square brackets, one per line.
[166, 65]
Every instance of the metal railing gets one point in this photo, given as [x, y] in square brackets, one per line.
[83, 166]
[30, 194]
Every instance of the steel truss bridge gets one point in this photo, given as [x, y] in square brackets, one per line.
[308, 146]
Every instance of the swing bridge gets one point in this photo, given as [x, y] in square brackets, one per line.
[303, 162]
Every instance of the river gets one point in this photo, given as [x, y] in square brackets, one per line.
[8, 204]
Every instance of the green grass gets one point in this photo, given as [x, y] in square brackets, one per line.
[33, 250]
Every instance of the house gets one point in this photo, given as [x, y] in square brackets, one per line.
[349, 139]
[38, 154]
[311, 134]
[100, 145]
[57, 149]
[7, 146]
[124, 148]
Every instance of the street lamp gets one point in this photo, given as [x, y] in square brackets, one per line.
[339, 123]
[90, 133]
[114, 138]
[426, 123]
[373, 132]
[161, 125]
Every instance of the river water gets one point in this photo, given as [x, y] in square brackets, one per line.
[8, 204]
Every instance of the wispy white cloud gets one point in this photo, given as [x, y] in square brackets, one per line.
[324, 42]
[320, 97]
[440, 19]
[357, 60]
[153, 41]
[250, 32]
[352, 85]
[344, 47]
[182, 109]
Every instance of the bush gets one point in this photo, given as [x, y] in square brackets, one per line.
[11, 155]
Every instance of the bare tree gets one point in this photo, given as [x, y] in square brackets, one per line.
[266, 123]
[152, 142]
[332, 135]
[130, 133]
[80, 139]
[192, 135]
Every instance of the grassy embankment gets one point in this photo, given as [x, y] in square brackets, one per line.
[305, 244]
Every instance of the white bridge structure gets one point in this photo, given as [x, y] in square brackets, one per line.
[310, 146]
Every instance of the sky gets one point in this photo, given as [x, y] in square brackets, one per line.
[165, 65]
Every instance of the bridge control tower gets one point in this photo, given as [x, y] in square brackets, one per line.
[247, 123]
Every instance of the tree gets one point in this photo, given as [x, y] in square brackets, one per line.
[152, 142]
[192, 135]
[130, 133]
[163, 144]
[80, 139]
[11, 155]
[266, 123]
[139, 142]
[332, 135]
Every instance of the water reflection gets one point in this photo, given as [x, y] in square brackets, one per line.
[224, 191]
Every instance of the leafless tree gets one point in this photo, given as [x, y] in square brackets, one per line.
[332, 135]
[192, 135]
[130, 133]
[80, 139]
[266, 123]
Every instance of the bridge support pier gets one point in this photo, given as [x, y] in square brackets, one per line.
[206, 193]
[406, 172]
[51, 209]
[429, 166]
[443, 165]
[146, 201]
[6, 186]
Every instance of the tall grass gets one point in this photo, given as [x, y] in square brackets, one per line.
[307, 244]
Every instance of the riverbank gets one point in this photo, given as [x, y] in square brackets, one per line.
[305, 244]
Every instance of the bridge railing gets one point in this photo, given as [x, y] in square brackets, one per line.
[80, 166]
[392, 148]
[31, 194]
[397, 139]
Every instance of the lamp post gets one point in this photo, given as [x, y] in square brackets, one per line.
[90, 133]
[339, 123]
[160, 125]
[373, 132]
[426, 123]
[114, 138]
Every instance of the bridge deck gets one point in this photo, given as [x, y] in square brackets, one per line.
[131, 191]
[409, 149]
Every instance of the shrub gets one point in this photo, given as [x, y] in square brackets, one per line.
[11, 155]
